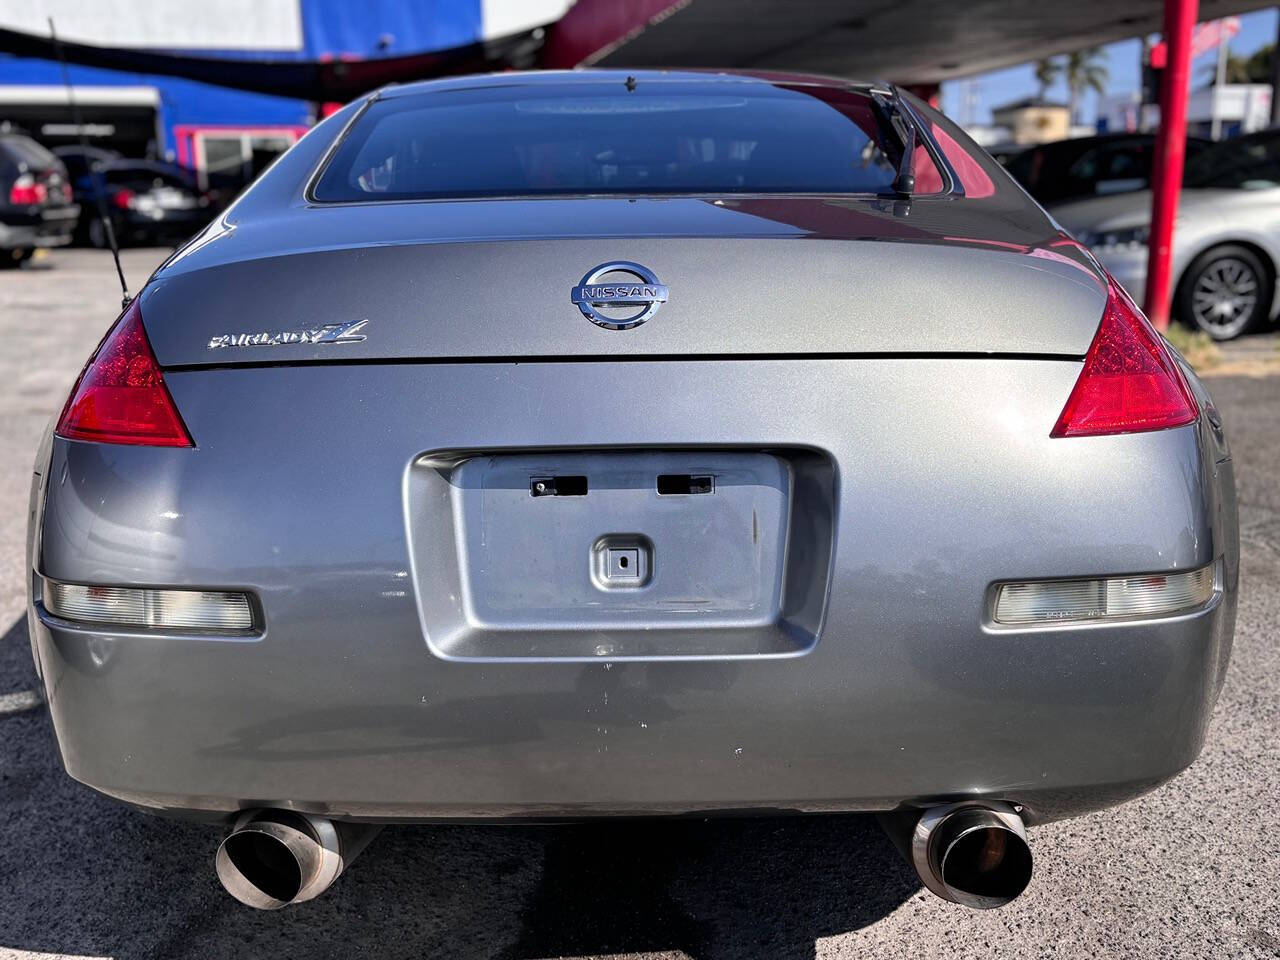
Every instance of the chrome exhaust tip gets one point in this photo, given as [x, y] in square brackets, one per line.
[974, 853]
[272, 858]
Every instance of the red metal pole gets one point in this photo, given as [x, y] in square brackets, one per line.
[1171, 147]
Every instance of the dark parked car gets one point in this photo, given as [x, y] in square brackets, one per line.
[1004, 153]
[36, 206]
[147, 202]
[1090, 166]
[79, 160]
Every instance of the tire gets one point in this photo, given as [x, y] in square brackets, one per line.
[13, 259]
[1225, 292]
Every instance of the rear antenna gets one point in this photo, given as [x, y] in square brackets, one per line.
[94, 173]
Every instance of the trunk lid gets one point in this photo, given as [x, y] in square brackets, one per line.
[493, 280]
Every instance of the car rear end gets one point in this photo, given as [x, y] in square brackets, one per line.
[151, 203]
[891, 499]
[36, 205]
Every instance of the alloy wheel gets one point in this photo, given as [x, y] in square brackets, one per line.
[1225, 296]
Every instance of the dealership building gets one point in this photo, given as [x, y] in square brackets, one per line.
[213, 129]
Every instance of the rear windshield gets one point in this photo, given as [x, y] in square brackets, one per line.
[144, 178]
[663, 137]
[26, 153]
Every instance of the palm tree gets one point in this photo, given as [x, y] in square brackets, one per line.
[1085, 70]
[1047, 71]
[1251, 69]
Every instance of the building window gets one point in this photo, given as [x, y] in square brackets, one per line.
[229, 159]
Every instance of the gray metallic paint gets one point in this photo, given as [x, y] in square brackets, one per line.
[944, 480]
[511, 299]
[341, 708]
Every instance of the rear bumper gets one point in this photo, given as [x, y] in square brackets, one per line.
[203, 730]
[342, 706]
[39, 233]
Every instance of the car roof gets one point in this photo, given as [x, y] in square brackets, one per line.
[75, 150]
[1076, 144]
[127, 164]
[1084, 143]
[542, 78]
[148, 166]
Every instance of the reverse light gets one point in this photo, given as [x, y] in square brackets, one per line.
[1130, 382]
[121, 396]
[136, 607]
[1116, 598]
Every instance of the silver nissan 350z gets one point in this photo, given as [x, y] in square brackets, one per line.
[591, 444]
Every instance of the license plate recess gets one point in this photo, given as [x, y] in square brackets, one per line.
[621, 554]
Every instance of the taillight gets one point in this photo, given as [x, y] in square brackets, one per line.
[120, 396]
[123, 199]
[25, 191]
[1130, 382]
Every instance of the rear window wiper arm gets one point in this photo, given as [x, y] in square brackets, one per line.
[888, 101]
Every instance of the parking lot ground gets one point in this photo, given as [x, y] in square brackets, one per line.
[1190, 870]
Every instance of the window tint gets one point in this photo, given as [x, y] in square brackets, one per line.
[145, 178]
[666, 137]
[1249, 163]
[1024, 167]
[25, 152]
[1125, 159]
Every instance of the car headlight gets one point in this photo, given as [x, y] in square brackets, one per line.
[1129, 238]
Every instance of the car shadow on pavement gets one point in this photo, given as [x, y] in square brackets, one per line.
[82, 875]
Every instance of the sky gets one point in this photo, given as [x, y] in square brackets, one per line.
[1002, 86]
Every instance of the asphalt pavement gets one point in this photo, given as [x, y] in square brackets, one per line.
[1190, 870]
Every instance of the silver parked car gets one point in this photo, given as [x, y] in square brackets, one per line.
[591, 444]
[1227, 240]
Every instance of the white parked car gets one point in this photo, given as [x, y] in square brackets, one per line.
[1226, 244]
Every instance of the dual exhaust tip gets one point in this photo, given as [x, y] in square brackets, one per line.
[974, 853]
[273, 858]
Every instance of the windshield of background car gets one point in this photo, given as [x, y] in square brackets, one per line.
[1249, 163]
[665, 137]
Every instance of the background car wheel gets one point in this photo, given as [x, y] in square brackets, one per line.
[12, 259]
[1225, 292]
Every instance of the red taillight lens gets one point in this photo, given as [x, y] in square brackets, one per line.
[121, 397]
[123, 199]
[25, 191]
[1130, 382]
